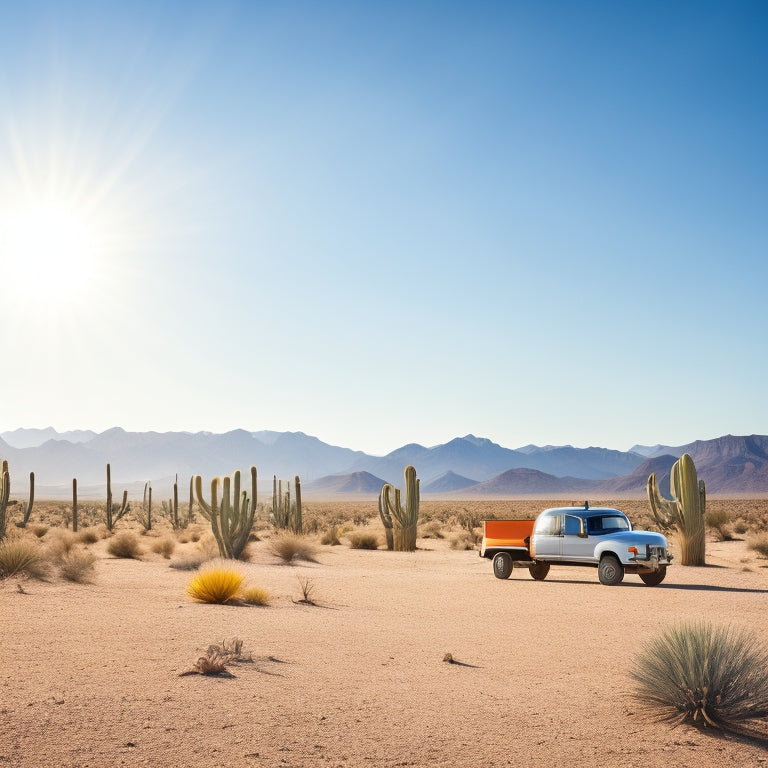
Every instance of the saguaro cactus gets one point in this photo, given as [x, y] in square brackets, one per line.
[171, 509]
[386, 518]
[683, 513]
[404, 519]
[232, 521]
[5, 492]
[27, 509]
[74, 505]
[113, 513]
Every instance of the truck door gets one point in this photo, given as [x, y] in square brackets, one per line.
[576, 547]
[549, 536]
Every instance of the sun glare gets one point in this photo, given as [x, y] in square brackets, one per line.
[48, 251]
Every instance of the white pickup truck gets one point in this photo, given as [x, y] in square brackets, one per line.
[600, 537]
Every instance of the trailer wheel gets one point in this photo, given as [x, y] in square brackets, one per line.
[610, 571]
[654, 577]
[502, 565]
[539, 571]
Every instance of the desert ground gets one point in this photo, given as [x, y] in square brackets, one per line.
[91, 673]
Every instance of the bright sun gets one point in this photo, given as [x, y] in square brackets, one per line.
[48, 252]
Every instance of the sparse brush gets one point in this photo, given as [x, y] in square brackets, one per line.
[216, 582]
[719, 521]
[307, 590]
[208, 547]
[78, 565]
[462, 541]
[290, 546]
[88, 535]
[363, 540]
[432, 530]
[22, 555]
[164, 546]
[331, 536]
[188, 561]
[59, 544]
[254, 596]
[703, 674]
[38, 529]
[759, 544]
[125, 544]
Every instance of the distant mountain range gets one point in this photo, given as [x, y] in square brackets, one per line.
[465, 466]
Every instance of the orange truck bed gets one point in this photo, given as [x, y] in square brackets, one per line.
[501, 535]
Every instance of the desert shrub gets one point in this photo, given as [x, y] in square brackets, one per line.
[331, 536]
[216, 582]
[38, 529]
[703, 674]
[740, 527]
[59, 543]
[124, 544]
[759, 544]
[208, 547]
[290, 546]
[164, 546]
[88, 535]
[719, 521]
[188, 561]
[22, 555]
[78, 565]
[363, 540]
[254, 596]
[432, 530]
[463, 540]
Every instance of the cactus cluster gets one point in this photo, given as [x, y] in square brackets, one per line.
[171, 507]
[285, 513]
[232, 520]
[685, 511]
[404, 519]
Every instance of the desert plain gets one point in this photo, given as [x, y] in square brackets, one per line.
[91, 674]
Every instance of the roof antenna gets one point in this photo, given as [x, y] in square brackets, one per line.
[586, 505]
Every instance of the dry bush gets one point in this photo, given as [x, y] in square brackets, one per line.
[331, 536]
[78, 565]
[216, 582]
[88, 535]
[703, 674]
[188, 561]
[719, 521]
[254, 596]
[307, 587]
[60, 542]
[164, 546]
[125, 544]
[290, 546]
[208, 547]
[22, 555]
[759, 544]
[363, 540]
[462, 541]
[432, 530]
[38, 530]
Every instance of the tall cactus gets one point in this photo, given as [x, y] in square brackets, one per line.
[232, 521]
[284, 513]
[386, 518]
[5, 492]
[74, 505]
[112, 512]
[404, 519]
[171, 509]
[685, 511]
[27, 509]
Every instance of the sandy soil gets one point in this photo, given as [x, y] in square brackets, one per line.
[90, 674]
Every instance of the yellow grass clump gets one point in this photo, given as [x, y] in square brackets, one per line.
[22, 556]
[254, 596]
[217, 582]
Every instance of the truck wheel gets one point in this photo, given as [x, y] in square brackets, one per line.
[502, 565]
[539, 571]
[610, 571]
[654, 577]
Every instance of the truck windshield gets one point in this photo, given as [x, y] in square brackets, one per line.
[596, 526]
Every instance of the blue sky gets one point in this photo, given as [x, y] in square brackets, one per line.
[382, 223]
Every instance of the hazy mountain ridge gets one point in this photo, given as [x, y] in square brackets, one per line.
[464, 465]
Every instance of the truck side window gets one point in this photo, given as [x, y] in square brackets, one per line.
[551, 525]
[572, 525]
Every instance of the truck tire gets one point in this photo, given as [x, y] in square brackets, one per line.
[654, 577]
[502, 565]
[539, 571]
[610, 571]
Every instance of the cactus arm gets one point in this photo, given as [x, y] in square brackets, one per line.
[205, 508]
[664, 511]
